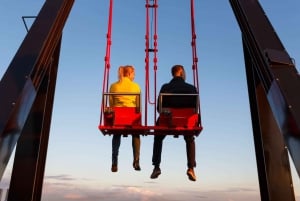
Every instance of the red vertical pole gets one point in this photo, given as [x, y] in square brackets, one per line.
[195, 58]
[147, 61]
[107, 59]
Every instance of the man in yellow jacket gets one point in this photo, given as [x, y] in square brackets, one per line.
[125, 84]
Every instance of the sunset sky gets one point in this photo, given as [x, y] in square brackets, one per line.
[79, 156]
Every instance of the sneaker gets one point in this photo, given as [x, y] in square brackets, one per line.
[190, 173]
[114, 168]
[156, 172]
[136, 165]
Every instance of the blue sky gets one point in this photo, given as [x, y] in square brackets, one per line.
[79, 156]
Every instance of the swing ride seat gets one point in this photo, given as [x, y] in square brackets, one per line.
[175, 120]
[121, 121]
[172, 121]
[181, 118]
[178, 121]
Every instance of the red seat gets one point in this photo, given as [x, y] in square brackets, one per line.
[122, 116]
[179, 117]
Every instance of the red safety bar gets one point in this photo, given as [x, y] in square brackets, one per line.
[178, 121]
[122, 120]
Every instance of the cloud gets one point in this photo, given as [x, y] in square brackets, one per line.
[65, 177]
[65, 187]
[239, 189]
[141, 191]
[74, 196]
[62, 177]
[126, 186]
[76, 192]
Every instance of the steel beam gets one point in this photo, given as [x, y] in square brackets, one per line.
[273, 85]
[27, 90]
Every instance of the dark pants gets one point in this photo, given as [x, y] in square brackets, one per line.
[116, 141]
[190, 150]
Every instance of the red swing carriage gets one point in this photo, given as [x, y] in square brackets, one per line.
[128, 120]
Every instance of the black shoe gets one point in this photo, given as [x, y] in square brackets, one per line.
[114, 168]
[156, 172]
[136, 165]
[190, 173]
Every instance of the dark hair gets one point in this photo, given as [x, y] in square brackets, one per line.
[176, 69]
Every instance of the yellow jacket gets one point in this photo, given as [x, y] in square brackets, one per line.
[125, 85]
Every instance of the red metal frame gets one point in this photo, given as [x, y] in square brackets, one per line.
[127, 120]
[121, 120]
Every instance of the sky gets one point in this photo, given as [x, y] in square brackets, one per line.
[79, 156]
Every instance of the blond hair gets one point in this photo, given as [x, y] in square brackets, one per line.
[120, 72]
[127, 70]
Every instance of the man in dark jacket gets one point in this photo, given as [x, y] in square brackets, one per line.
[177, 86]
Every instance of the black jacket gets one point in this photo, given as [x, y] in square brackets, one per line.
[178, 86]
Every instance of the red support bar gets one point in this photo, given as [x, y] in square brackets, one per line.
[147, 61]
[107, 58]
[108, 47]
[194, 52]
[149, 49]
[155, 37]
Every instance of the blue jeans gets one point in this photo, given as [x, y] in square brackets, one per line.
[116, 142]
[190, 150]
